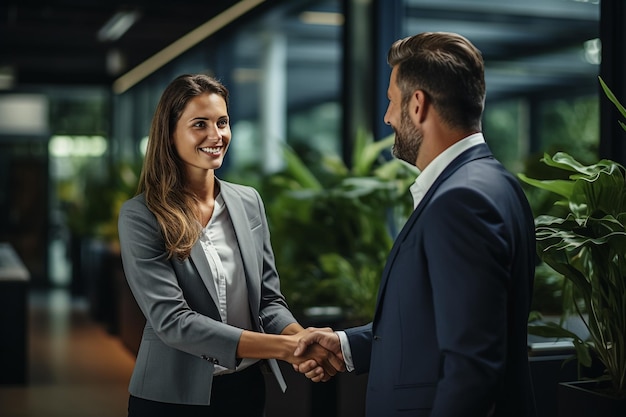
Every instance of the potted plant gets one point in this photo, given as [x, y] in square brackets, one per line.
[333, 227]
[584, 239]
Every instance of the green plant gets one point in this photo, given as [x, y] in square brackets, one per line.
[92, 200]
[584, 239]
[547, 291]
[333, 226]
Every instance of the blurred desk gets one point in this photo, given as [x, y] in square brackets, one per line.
[14, 279]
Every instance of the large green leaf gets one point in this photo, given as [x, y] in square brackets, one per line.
[605, 192]
[299, 171]
[613, 100]
[587, 245]
[590, 188]
[563, 188]
[367, 151]
[567, 162]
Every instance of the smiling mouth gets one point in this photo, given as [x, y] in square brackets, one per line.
[212, 151]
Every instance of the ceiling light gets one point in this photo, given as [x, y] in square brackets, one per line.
[7, 78]
[115, 61]
[593, 51]
[322, 18]
[246, 75]
[117, 25]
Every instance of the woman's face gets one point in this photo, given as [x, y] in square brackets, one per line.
[203, 133]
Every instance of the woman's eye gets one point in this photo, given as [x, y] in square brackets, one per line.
[199, 124]
[222, 123]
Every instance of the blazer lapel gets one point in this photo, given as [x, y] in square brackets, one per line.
[240, 222]
[475, 152]
[202, 265]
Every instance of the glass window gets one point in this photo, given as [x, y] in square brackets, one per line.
[541, 67]
[505, 127]
[285, 82]
[571, 125]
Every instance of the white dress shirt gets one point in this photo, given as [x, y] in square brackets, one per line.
[221, 248]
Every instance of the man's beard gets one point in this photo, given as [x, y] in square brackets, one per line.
[408, 139]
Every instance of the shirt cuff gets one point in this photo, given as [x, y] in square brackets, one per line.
[345, 350]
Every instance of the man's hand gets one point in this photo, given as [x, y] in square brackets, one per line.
[312, 339]
[320, 363]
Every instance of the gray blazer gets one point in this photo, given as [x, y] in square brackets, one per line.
[184, 336]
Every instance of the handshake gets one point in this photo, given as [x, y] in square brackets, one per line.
[317, 354]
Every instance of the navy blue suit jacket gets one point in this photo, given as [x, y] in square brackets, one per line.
[449, 333]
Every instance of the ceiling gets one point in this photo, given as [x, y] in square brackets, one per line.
[56, 42]
[527, 47]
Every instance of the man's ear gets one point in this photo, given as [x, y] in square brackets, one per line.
[419, 106]
[422, 105]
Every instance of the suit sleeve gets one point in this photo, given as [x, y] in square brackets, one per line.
[360, 339]
[469, 258]
[154, 284]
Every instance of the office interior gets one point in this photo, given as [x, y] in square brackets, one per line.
[310, 74]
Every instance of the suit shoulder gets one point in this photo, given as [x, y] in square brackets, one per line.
[244, 191]
[137, 201]
[485, 174]
[136, 204]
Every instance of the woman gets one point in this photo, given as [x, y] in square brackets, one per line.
[197, 257]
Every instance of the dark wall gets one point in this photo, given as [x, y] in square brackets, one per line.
[24, 203]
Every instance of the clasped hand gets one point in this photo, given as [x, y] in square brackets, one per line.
[318, 354]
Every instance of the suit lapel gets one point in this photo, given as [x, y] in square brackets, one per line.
[202, 265]
[237, 213]
[239, 219]
[475, 152]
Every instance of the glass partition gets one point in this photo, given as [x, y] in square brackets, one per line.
[538, 54]
[285, 81]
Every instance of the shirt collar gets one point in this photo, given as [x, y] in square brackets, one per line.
[427, 177]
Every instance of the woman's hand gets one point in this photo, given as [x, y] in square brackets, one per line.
[318, 361]
[313, 342]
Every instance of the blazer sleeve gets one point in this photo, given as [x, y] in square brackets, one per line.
[154, 284]
[469, 254]
[360, 340]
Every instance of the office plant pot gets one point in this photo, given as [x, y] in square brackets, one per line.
[589, 399]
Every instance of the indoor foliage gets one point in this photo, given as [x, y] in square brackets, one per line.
[333, 225]
[585, 240]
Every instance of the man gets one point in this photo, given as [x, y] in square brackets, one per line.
[448, 336]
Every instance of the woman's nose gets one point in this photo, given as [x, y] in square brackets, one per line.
[214, 132]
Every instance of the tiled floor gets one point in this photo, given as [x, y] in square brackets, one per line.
[76, 368]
